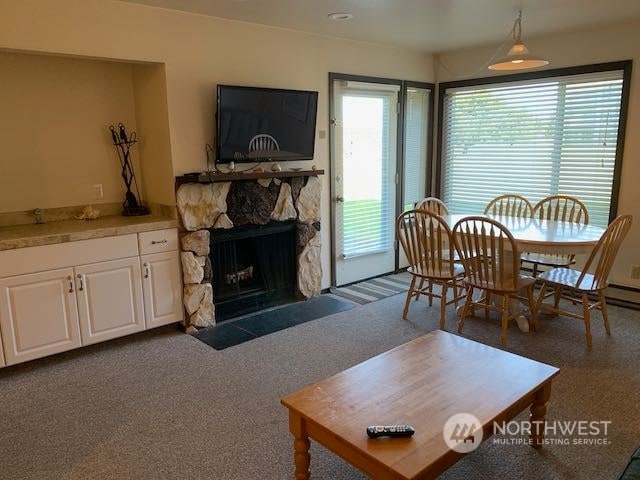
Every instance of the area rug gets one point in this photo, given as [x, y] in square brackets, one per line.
[234, 332]
[374, 289]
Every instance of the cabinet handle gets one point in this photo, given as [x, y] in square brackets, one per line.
[154, 242]
[70, 278]
[81, 278]
[147, 272]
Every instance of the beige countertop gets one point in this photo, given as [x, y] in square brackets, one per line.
[19, 236]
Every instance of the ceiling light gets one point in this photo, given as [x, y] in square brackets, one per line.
[339, 17]
[518, 57]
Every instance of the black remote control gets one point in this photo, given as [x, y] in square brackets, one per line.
[376, 431]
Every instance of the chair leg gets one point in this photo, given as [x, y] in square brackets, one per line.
[409, 294]
[543, 290]
[455, 293]
[420, 286]
[505, 320]
[487, 302]
[557, 294]
[443, 305]
[465, 308]
[603, 309]
[587, 319]
[430, 293]
[533, 321]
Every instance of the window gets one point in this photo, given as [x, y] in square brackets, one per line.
[557, 134]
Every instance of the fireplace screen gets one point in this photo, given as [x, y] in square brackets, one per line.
[254, 267]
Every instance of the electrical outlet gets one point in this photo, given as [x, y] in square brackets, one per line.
[635, 272]
[98, 192]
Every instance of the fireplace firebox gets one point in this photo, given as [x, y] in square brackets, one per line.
[254, 268]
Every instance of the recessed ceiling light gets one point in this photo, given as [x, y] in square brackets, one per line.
[340, 16]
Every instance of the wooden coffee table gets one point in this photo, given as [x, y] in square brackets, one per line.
[422, 383]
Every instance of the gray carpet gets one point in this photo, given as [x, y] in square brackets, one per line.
[163, 405]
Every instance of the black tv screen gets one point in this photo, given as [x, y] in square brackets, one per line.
[265, 124]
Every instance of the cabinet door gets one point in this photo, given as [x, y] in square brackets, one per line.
[38, 315]
[109, 299]
[162, 285]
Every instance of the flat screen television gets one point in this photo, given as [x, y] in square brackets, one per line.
[265, 124]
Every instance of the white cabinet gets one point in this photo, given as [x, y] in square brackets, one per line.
[86, 292]
[109, 299]
[38, 315]
[162, 287]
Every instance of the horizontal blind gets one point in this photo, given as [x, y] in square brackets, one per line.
[368, 209]
[534, 138]
[415, 145]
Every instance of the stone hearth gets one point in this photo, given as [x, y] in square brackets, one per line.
[225, 205]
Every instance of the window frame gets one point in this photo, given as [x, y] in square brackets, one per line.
[625, 66]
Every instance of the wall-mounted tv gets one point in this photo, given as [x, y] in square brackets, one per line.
[265, 124]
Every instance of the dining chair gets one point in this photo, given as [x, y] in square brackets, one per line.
[437, 206]
[490, 257]
[581, 283]
[556, 208]
[433, 204]
[425, 238]
[509, 205]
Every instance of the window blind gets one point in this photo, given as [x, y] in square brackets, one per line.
[415, 145]
[368, 150]
[534, 138]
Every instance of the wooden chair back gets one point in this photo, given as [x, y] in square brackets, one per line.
[509, 205]
[488, 252]
[425, 237]
[263, 142]
[604, 253]
[561, 208]
[434, 205]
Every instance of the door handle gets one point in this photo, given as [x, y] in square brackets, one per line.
[81, 278]
[340, 198]
[146, 270]
[70, 278]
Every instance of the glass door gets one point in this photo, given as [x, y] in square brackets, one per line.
[364, 147]
[418, 106]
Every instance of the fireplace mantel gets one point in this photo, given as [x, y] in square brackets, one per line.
[212, 177]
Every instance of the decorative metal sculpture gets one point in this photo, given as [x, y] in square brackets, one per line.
[123, 144]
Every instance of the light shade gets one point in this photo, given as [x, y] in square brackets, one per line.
[518, 57]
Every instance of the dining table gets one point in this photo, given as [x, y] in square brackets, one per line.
[534, 235]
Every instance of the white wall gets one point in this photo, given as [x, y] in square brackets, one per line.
[613, 43]
[200, 52]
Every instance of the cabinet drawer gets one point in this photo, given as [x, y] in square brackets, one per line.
[158, 241]
[60, 255]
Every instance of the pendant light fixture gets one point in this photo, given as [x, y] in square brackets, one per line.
[518, 57]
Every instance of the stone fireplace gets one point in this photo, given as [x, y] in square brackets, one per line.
[250, 241]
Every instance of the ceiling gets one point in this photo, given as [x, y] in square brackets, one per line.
[427, 25]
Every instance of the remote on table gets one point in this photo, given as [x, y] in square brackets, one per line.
[376, 431]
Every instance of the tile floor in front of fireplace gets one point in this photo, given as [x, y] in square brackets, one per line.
[243, 329]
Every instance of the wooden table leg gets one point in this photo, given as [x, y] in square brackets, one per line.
[300, 445]
[538, 412]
